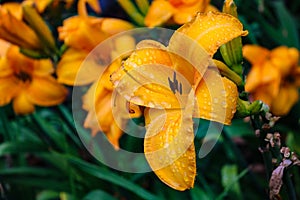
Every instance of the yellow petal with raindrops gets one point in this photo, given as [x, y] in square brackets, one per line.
[212, 29]
[147, 79]
[169, 147]
[216, 98]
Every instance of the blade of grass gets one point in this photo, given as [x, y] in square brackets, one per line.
[49, 184]
[47, 195]
[98, 195]
[57, 139]
[21, 147]
[30, 171]
[70, 122]
[111, 177]
[7, 135]
[198, 193]
[232, 183]
[288, 24]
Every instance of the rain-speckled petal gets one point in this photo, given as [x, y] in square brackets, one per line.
[216, 98]
[147, 78]
[212, 29]
[169, 147]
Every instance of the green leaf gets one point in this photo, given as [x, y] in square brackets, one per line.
[198, 193]
[292, 142]
[57, 138]
[239, 128]
[98, 195]
[111, 177]
[49, 184]
[47, 195]
[229, 174]
[21, 147]
[30, 171]
[230, 180]
[288, 24]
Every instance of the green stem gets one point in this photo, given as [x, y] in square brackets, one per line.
[243, 163]
[267, 157]
[70, 123]
[225, 71]
[289, 186]
[143, 6]
[5, 125]
[50, 135]
[132, 11]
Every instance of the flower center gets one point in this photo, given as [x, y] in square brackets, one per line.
[23, 76]
[290, 79]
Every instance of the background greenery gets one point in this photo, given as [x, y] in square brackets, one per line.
[43, 158]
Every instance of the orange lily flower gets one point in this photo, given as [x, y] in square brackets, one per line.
[41, 5]
[274, 76]
[170, 102]
[97, 100]
[14, 30]
[82, 34]
[28, 82]
[181, 11]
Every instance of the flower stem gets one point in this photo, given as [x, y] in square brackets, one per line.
[132, 11]
[289, 186]
[5, 124]
[143, 6]
[225, 71]
[242, 161]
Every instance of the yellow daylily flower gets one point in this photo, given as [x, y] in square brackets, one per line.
[41, 5]
[82, 34]
[181, 11]
[14, 30]
[97, 100]
[274, 76]
[28, 82]
[158, 78]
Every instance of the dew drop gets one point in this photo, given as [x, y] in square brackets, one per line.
[151, 104]
[137, 100]
[216, 100]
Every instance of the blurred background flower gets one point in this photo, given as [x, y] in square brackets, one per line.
[28, 82]
[274, 76]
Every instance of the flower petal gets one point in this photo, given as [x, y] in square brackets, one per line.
[216, 98]
[82, 32]
[43, 67]
[70, 70]
[146, 78]
[265, 74]
[188, 57]
[14, 8]
[159, 12]
[4, 45]
[5, 68]
[169, 147]
[100, 117]
[285, 59]
[287, 97]
[9, 88]
[255, 54]
[188, 9]
[16, 31]
[113, 25]
[22, 105]
[46, 91]
[212, 29]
